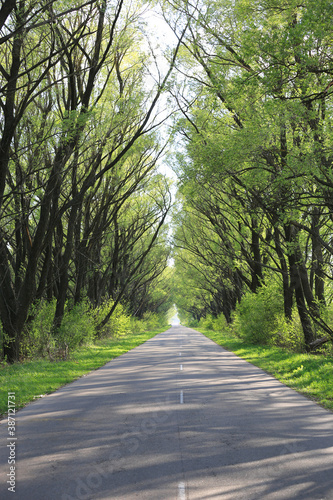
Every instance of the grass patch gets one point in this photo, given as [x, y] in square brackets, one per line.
[309, 374]
[32, 379]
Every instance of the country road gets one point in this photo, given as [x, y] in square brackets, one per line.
[177, 418]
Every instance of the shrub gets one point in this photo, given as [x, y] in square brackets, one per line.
[191, 322]
[40, 341]
[213, 323]
[257, 315]
[289, 333]
[77, 327]
[219, 323]
[137, 325]
[37, 338]
[119, 323]
[207, 322]
[153, 321]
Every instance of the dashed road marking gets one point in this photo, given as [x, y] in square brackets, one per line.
[181, 397]
[181, 367]
[181, 492]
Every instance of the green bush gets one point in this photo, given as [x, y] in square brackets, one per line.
[98, 314]
[137, 325]
[219, 323]
[154, 321]
[191, 322]
[258, 315]
[119, 323]
[207, 322]
[38, 341]
[260, 319]
[150, 321]
[77, 327]
[289, 333]
[213, 323]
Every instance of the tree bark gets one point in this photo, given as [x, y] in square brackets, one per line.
[297, 269]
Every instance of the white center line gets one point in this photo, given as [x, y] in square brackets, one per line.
[181, 492]
[180, 354]
[181, 367]
[181, 397]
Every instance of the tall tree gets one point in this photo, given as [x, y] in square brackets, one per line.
[258, 114]
[76, 143]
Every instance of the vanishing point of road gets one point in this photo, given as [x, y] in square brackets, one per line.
[177, 418]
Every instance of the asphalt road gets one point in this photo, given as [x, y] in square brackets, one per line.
[177, 418]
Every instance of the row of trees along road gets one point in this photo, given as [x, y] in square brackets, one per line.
[82, 205]
[255, 159]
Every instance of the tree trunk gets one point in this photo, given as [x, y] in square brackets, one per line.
[317, 258]
[288, 291]
[63, 283]
[297, 269]
[256, 264]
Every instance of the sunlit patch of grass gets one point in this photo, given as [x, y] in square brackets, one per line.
[33, 379]
[310, 374]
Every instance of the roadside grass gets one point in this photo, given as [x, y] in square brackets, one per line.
[309, 374]
[33, 379]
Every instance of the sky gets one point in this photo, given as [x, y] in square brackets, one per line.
[161, 37]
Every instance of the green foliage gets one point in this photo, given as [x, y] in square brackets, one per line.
[259, 319]
[84, 156]
[207, 322]
[215, 324]
[187, 319]
[118, 324]
[219, 323]
[288, 332]
[254, 168]
[255, 316]
[77, 327]
[38, 341]
[191, 322]
[137, 325]
[152, 320]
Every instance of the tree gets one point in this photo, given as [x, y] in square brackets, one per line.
[76, 145]
[257, 117]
